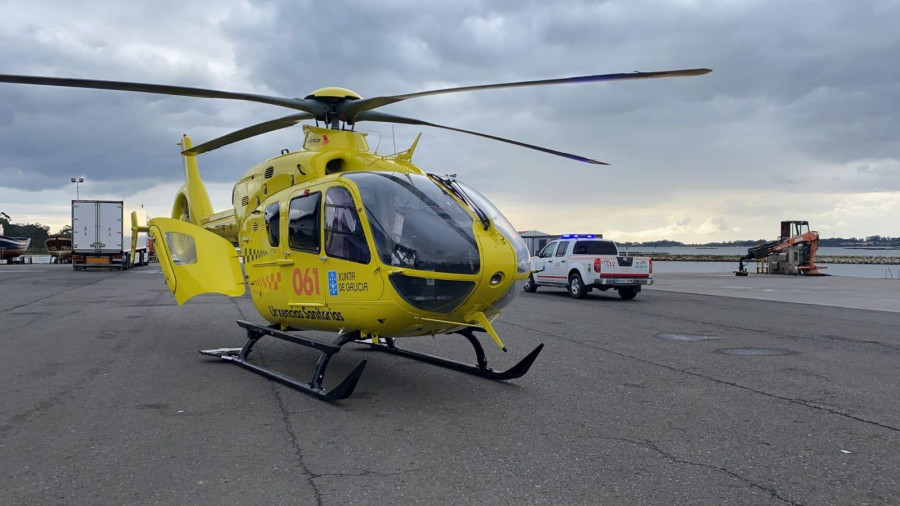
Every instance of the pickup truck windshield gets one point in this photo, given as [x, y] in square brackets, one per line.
[415, 224]
[595, 248]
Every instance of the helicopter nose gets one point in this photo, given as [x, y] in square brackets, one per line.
[505, 297]
[500, 279]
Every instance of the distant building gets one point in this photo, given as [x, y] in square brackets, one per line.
[536, 240]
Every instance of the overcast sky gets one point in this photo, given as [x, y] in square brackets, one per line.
[798, 120]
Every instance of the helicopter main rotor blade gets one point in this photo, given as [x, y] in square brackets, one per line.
[309, 106]
[246, 133]
[352, 109]
[390, 118]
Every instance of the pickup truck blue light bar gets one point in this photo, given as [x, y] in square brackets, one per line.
[579, 236]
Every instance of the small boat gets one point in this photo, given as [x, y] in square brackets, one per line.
[60, 248]
[12, 247]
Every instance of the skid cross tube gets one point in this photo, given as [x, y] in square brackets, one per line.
[481, 369]
[314, 387]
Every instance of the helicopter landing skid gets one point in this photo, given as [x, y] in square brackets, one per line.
[481, 369]
[314, 387]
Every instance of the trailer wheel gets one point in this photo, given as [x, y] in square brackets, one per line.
[576, 286]
[627, 293]
[530, 286]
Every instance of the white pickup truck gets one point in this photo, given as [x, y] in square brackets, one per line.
[581, 263]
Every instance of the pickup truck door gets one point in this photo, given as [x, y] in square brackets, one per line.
[560, 270]
[543, 261]
[552, 259]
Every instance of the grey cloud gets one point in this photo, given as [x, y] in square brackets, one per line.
[796, 85]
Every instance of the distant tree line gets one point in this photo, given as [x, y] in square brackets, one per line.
[872, 240]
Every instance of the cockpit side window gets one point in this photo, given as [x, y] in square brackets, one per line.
[303, 228]
[272, 223]
[344, 236]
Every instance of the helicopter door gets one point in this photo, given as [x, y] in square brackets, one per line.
[195, 261]
[306, 274]
[351, 275]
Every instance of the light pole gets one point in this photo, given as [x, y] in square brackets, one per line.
[77, 181]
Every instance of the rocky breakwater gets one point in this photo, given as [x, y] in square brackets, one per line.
[821, 259]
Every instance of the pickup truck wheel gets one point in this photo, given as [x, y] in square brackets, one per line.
[627, 293]
[576, 286]
[530, 285]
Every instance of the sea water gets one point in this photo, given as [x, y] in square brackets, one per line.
[850, 270]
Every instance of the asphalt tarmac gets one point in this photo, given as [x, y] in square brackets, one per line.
[702, 390]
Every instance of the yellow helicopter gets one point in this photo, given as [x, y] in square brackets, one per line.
[336, 237]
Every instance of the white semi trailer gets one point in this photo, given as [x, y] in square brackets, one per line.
[98, 241]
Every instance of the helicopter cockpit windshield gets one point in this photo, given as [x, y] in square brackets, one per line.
[416, 224]
[483, 207]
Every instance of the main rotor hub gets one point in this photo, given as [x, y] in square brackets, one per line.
[333, 98]
[334, 92]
